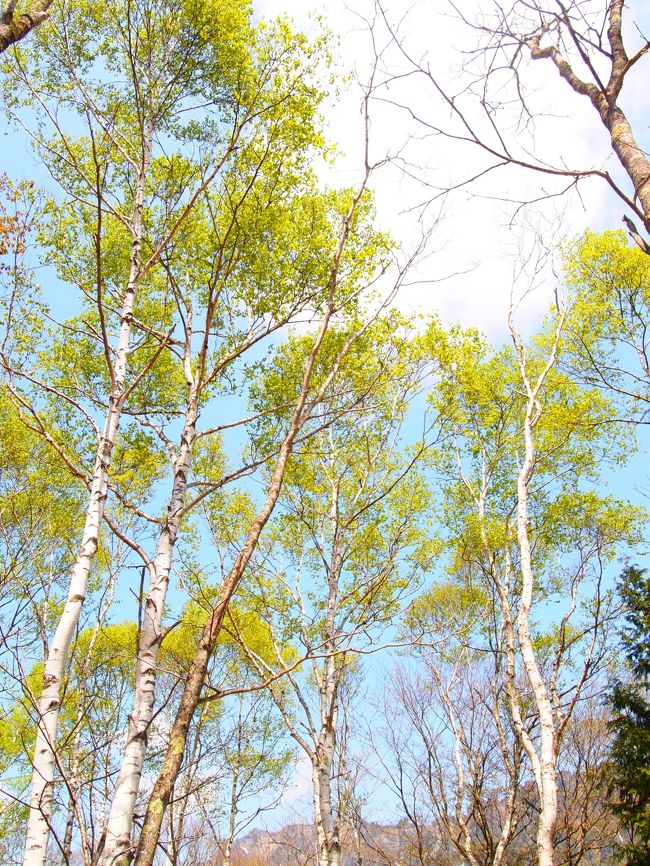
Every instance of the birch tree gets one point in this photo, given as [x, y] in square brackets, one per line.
[260, 272]
[142, 137]
[347, 547]
[35, 557]
[454, 759]
[329, 277]
[237, 755]
[536, 535]
[608, 284]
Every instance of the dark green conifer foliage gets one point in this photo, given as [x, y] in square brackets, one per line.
[630, 758]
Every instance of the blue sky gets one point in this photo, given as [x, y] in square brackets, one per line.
[474, 240]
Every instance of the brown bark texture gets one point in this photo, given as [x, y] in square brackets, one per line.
[604, 97]
[14, 27]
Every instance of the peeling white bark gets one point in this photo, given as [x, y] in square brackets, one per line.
[547, 751]
[327, 825]
[120, 820]
[44, 759]
[55, 666]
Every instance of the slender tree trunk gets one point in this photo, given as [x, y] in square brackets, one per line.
[73, 780]
[546, 767]
[512, 762]
[161, 793]
[177, 824]
[503, 585]
[466, 844]
[66, 848]
[55, 666]
[327, 822]
[232, 818]
[120, 820]
[547, 756]
[172, 762]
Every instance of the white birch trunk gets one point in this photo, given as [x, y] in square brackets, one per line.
[55, 666]
[56, 663]
[44, 760]
[232, 817]
[120, 820]
[503, 584]
[546, 765]
[327, 823]
[467, 843]
[327, 830]
[547, 757]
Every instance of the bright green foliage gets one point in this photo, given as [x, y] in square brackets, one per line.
[349, 539]
[178, 645]
[447, 609]
[277, 379]
[609, 282]
[21, 210]
[214, 120]
[39, 504]
[476, 711]
[99, 677]
[574, 530]
[195, 91]
[39, 508]
[630, 754]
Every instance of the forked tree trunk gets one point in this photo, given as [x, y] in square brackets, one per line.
[14, 27]
[40, 803]
[189, 701]
[632, 157]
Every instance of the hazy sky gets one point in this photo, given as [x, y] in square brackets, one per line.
[476, 239]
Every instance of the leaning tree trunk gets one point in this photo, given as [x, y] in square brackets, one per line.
[117, 833]
[163, 787]
[172, 762]
[44, 760]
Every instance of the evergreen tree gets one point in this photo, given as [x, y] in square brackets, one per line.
[630, 759]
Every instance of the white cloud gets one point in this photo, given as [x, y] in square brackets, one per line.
[477, 245]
